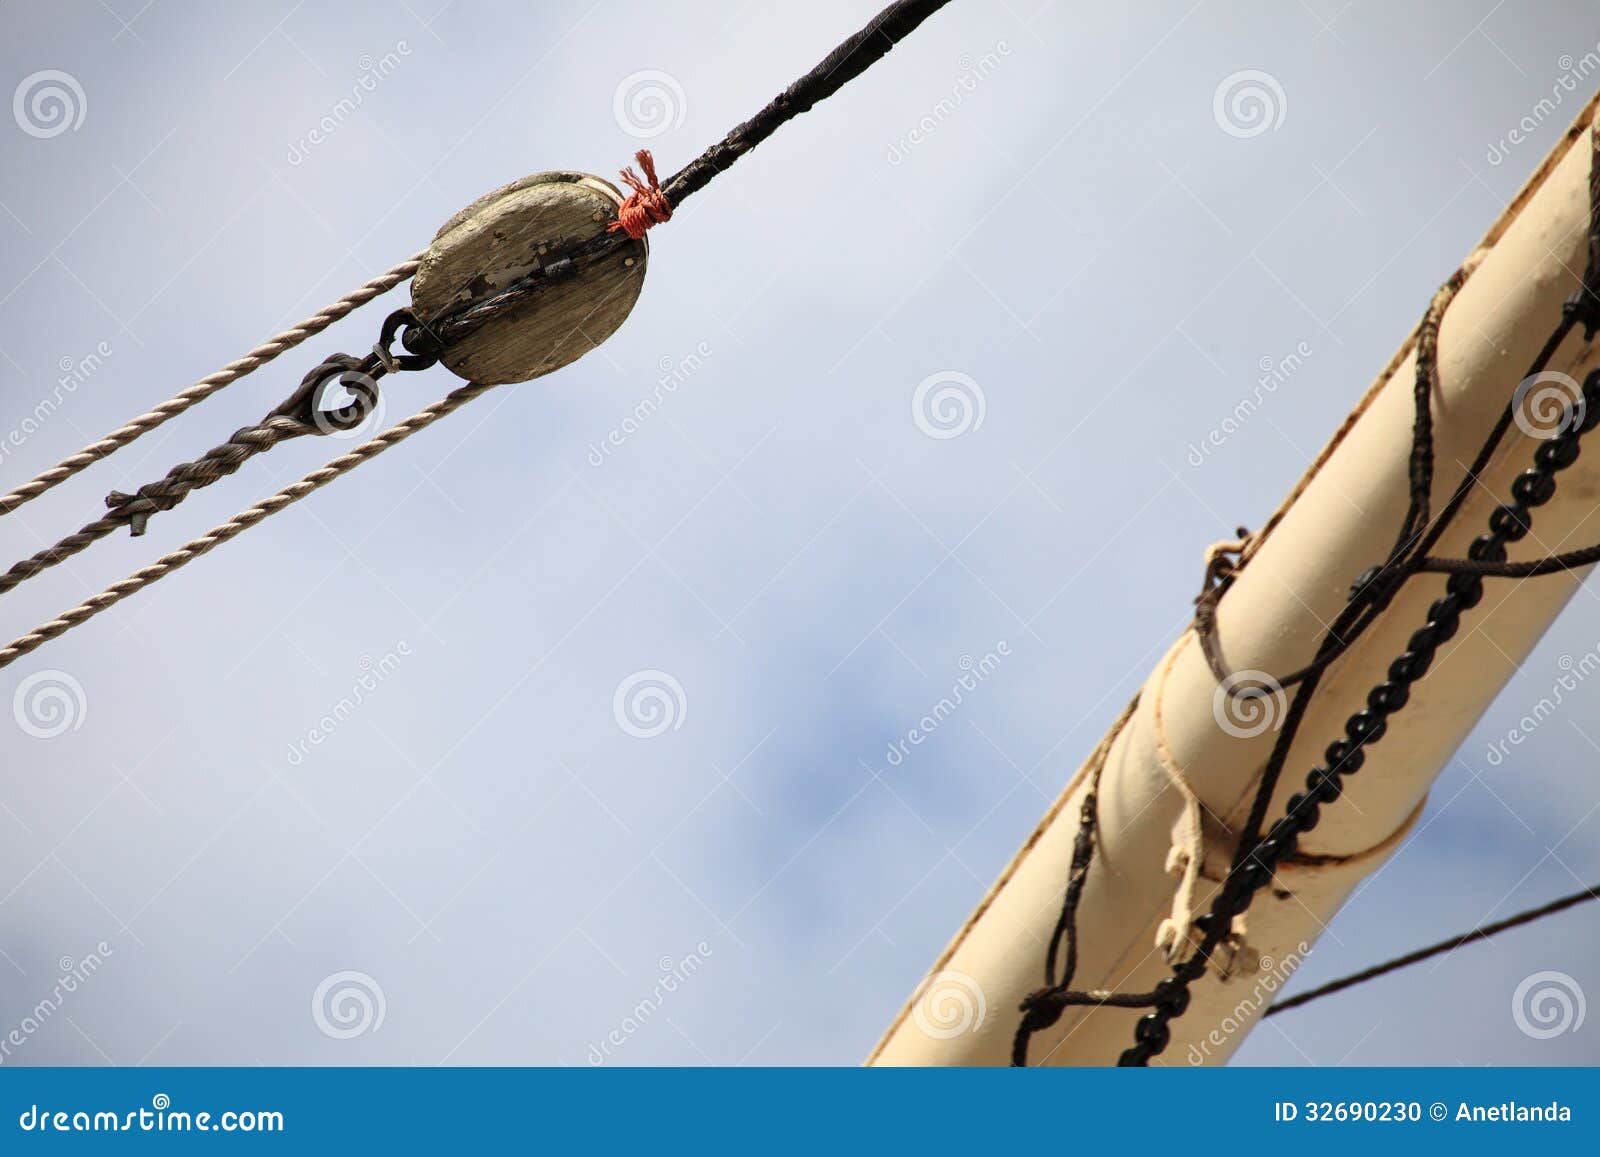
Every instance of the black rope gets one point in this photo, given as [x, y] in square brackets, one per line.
[1482, 932]
[1258, 854]
[846, 62]
[838, 68]
[1044, 1007]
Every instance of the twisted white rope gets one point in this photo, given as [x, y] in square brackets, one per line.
[239, 523]
[207, 386]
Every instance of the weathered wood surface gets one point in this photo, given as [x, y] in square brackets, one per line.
[509, 233]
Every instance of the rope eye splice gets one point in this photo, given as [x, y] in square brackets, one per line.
[357, 377]
[306, 411]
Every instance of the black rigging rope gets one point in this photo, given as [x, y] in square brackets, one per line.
[1416, 956]
[846, 62]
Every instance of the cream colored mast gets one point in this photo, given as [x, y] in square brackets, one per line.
[1178, 764]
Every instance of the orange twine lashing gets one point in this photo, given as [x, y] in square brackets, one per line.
[647, 205]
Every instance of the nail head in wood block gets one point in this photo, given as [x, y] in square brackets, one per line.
[508, 234]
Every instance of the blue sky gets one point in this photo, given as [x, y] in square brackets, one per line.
[1029, 203]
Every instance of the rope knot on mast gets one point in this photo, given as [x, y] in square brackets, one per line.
[647, 205]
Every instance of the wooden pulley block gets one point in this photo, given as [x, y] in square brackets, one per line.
[528, 225]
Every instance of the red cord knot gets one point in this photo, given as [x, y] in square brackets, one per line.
[647, 205]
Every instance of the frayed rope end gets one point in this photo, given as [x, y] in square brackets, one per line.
[647, 205]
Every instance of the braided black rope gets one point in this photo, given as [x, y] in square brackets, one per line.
[837, 69]
[846, 62]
